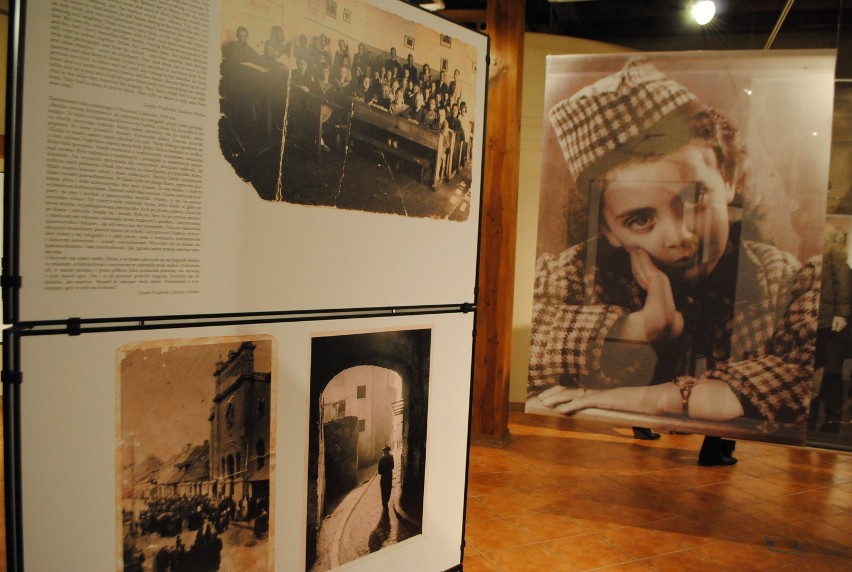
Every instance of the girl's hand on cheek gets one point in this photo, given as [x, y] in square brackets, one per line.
[659, 318]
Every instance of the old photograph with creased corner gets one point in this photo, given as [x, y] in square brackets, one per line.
[374, 113]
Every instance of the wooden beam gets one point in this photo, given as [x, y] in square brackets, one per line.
[490, 415]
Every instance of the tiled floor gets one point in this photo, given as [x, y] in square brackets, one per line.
[575, 495]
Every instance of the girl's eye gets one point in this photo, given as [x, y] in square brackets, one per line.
[640, 222]
[700, 195]
[696, 196]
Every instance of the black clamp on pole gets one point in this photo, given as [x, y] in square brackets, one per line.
[73, 326]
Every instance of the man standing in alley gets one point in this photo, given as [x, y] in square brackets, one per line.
[386, 475]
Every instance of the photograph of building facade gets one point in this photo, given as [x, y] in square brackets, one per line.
[204, 503]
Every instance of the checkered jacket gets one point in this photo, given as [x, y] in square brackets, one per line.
[761, 343]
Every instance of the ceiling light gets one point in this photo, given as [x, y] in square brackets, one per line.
[703, 11]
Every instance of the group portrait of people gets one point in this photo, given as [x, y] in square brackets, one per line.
[314, 81]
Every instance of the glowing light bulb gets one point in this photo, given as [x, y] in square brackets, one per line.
[703, 11]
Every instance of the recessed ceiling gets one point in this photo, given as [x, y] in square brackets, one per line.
[661, 25]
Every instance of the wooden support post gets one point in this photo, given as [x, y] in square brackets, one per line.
[492, 363]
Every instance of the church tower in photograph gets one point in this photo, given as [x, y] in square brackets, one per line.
[239, 427]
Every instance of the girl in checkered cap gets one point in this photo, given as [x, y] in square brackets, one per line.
[668, 310]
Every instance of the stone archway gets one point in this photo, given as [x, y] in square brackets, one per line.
[406, 352]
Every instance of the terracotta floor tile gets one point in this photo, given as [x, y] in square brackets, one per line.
[477, 511]
[840, 497]
[509, 503]
[589, 551]
[810, 475]
[725, 494]
[796, 539]
[744, 556]
[635, 566]
[683, 561]
[480, 451]
[695, 476]
[545, 526]
[624, 515]
[821, 537]
[571, 494]
[754, 468]
[588, 513]
[642, 542]
[825, 563]
[823, 501]
[488, 483]
[772, 513]
[842, 521]
[529, 480]
[479, 563]
[730, 524]
[688, 530]
[499, 463]
[531, 558]
[494, 534]
[570, 471]
[476, 468]
[784, 542]
[767, 488]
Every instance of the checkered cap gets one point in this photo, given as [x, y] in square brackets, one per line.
[606, 115]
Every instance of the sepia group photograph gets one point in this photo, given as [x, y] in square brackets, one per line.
[196, 455]
[359, 109]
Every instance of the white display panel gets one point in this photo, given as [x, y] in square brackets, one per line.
[70, 427]
[156, 181]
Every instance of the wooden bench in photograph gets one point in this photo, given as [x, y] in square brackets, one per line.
[399, 136]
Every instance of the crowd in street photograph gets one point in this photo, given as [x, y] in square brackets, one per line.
[209, 518]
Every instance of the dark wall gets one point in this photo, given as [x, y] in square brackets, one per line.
[341, 458]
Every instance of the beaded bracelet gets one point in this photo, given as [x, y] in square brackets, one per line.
[685, 384]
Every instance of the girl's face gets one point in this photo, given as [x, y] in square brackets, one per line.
[674, 207]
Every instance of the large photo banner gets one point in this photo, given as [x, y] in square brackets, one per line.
[680, 240]
[285, 446]
[239, 156]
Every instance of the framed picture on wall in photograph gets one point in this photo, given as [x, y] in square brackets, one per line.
[446, 41]
[409, 42]
[347, 15]
[331, 8]
[679, 212]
